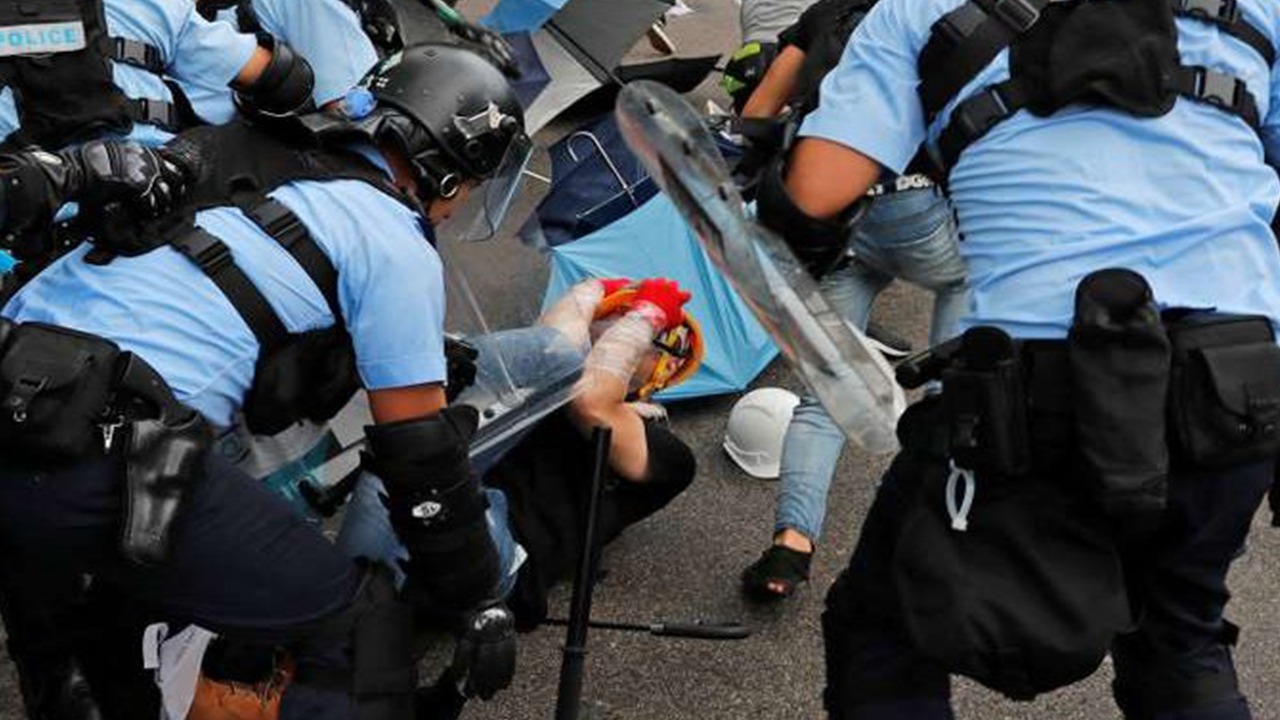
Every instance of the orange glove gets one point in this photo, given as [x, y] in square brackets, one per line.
[666, 296]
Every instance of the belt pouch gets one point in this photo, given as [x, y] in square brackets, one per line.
[985, 405]
[1225, 395]
[55, 384]
[1119, 357]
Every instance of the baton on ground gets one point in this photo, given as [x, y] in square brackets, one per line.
[569, 697]
[662, 628]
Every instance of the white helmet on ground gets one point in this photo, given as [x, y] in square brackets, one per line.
[757, 427]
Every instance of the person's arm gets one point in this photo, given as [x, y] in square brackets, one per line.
[602, 402]
[824, 178]
[868, 118]
[266, 75]
[328, 34]
[391, 405]
[777, 86]
[617, 357]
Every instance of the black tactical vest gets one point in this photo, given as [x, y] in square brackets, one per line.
[56, 57]
[1114, 53]
[308, 375]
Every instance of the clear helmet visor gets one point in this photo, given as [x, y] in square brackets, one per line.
[483, 208]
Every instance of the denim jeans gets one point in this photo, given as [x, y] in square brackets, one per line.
[908, 235]
[530, 358]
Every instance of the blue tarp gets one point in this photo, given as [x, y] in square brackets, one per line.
[655, 241]
[521, 15]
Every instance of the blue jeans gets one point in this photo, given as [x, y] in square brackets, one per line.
[907, 235]
[531, 358]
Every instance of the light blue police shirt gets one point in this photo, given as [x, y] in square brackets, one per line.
[203, 57]
[161, 306]
[1185, 199]
[325, 32]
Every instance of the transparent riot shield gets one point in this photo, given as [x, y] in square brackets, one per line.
[837, 362]
[523, 369]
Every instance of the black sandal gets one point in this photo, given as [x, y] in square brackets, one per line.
[777, 565]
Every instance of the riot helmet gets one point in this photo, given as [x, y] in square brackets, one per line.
[457, 120]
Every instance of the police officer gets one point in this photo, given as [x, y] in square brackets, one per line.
[278, 307]
[1087, 192]
[327, 33]
[140, 68]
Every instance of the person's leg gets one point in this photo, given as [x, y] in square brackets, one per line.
[810, 451]
[813, 441]
[873, 673]
[1178, 664]
[913, 236]
[366, 532]
[242, 562]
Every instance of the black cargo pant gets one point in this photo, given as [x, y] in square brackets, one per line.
[242, 563]
[873, 673]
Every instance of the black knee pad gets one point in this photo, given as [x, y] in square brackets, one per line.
[377, 630]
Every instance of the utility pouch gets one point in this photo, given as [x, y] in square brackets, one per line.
[55, 385]
[1224, 407]
[310, 377]
[986, 406]
[1118, 353]
[1027, 598]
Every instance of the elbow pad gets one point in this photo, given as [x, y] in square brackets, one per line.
[285, 87]
[437, 506]
[818, 244]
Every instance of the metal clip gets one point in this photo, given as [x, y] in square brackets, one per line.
[109, 433]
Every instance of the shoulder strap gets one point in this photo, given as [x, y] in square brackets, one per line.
[965, 41]
[974, 117]
[214, 258]
[1226, 15]
[287, 229]
[169, 116]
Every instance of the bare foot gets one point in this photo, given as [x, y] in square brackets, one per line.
[793, 539]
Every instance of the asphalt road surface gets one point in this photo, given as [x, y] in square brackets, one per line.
[684, 563]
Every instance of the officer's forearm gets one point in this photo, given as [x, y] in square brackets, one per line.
[825, 178]
[777, 86]
[252, 70]
[403, 403]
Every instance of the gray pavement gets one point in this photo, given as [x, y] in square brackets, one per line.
[684, 563]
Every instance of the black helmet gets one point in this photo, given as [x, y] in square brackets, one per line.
[453, 114]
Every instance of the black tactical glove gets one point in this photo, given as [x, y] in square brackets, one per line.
[106, 176]
[437, 508]
[762, 141]
[817, 243]
[484, 660]
[141, 180]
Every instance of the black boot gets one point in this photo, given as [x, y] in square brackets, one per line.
[54, 687]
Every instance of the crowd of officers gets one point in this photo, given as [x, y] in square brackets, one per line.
[224, 217]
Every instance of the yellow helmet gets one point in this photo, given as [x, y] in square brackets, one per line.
[682, 347]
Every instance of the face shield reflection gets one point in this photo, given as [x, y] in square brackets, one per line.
[484, 209]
